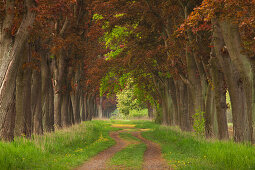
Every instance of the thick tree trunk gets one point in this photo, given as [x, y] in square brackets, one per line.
[50, 122]
[37, 103]
[220, 99]
[84, 113]
[65, 111]
[10, 49]
[65, 105]
[20, 117]
[45, 73]
[59, 70]
[7, 128]
[183, 107]
[237, 85]
[27, 102]
[71, 112]
[174, 107]
[195, 89]
[82, 104]
[165, 109]
[208, 113]
[76, 97]
[191, 107]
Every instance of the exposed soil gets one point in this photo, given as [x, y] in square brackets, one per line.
[152, 157]
[99, 161]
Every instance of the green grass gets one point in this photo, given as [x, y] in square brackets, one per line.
[128, 136]
[69, 148]
[130, 157]
[184, 151]
[64, 149]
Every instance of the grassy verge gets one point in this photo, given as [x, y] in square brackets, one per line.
[63, 149]
[184, 151]
[130, 157]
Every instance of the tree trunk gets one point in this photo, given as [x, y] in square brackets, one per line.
[183, 107]
[27, 102]
[174, 107]
[59, 67]
[71, 112]
[50, 122]
[37, 102]
[150, 110]
[82, 104]
[20, 117]
[100, 108]
[7, 128]
[208, 113]
[65, 105]
[65, 111]
[76, 97]
[10, 49]
[220, 99]
[84, 113]
[237, 86]
[45, 73]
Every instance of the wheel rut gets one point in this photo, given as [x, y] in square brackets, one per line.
[153, 159]
[100, 161]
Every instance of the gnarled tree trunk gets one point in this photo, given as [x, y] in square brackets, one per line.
[11, 47]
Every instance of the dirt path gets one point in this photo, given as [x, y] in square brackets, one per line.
[99, 161]
[152, 157]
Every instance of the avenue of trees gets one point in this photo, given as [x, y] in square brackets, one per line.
[57, 57]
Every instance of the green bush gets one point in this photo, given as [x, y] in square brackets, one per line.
[133, 114]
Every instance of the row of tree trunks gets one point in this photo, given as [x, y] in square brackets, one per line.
[31, 107]
[238, 77]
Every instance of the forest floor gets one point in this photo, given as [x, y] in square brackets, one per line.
[124, 144]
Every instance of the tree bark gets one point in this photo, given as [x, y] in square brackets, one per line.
[7, 128]
[220, 99]
[50, 122]
[37, 102]
[82, 104]
[76, 96]
[237, 86]
[100, 107]
[208, 113]
[45, 73]
[59, 65]
[20, 117]
[11, 48]
[65, 105]
[27, 102]
[183, 107]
